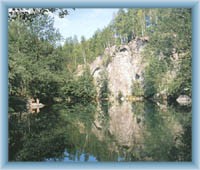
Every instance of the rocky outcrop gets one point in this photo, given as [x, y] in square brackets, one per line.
[121, 74]
[123, 65]
[184, 100]
[33, 106]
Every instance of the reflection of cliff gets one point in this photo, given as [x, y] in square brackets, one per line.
[123, 125]
[138, 130]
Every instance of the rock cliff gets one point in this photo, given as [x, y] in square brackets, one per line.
[123, 65]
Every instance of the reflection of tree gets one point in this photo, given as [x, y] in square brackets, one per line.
[16, 131]
[83, 113]
[48, 134]
[183, 151]
[37, 133]
[163, 136]
[186, 148]
[37, 147]
[62, 131]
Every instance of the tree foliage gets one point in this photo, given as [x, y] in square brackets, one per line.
[29, 14]
[169, 53]
[38, 67]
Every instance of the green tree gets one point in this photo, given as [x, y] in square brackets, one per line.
[29, 14]
[170, 42]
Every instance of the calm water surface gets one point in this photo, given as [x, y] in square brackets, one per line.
[100, 132]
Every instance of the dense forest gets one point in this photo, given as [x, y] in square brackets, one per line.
[41, 67]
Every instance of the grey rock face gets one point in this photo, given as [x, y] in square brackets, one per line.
[121, 74]
[126, 66]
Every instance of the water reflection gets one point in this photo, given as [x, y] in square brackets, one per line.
[101, 132]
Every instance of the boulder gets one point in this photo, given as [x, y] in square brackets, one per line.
[184, 100]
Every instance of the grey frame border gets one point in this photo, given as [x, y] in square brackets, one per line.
[194, 4]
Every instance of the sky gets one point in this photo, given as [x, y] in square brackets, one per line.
[84, 21]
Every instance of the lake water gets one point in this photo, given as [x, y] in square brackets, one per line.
[101, 132]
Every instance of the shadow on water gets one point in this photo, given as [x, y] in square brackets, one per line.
[100, 132]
